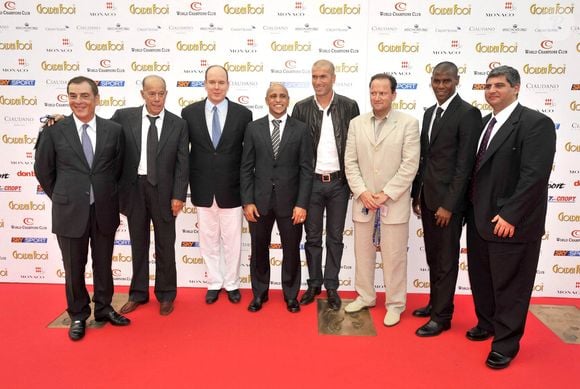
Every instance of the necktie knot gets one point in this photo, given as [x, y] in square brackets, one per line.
[152, 119]
[276, 123]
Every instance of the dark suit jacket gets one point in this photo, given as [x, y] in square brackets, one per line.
[215, 172]
[172, 159]
[512, 179]
[290, 173]
[447, 156]
[63, 172]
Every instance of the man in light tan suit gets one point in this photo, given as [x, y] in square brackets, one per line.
[381, 160]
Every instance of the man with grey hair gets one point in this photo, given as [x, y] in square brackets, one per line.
[506, 214]
[327, 115]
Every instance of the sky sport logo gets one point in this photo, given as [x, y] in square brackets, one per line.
[19, 239]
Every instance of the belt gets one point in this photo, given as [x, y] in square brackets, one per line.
[327, 177]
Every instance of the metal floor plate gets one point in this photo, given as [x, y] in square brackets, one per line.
[563, 320]
[344, 324]
[63, 320]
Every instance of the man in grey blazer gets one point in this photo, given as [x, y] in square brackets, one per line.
[78, 164]
[381, 160]
[153, 188]
[276, 184]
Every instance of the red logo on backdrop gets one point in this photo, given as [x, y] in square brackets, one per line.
[401, 6]
[62, 98]
[28, 221]
[196, 6]
[105, 63]
[243, 99]
[338, 43]
[150, 42]
[290, 64]
[575, 233]
[546, 44]
[10, 5]
[493, 65]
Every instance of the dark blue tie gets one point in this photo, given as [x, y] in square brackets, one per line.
[216, 130]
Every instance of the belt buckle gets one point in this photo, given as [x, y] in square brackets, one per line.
[325, 177]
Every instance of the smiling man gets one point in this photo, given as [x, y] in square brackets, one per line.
[506, 215]
[448, 142]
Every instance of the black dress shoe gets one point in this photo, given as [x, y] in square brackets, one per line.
[497, 360]
[114, 318]
[76, 330]
[293, 306]
[234, 296]
[333, 299]
[256, 303]
[478, 334]
[165, 308]
[422, 312]
[310, 294]
[212, 296]
[432, 328]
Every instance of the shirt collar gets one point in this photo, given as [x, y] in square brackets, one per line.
[445, 105]
[221, 106]
[144, 115]
[92, 123]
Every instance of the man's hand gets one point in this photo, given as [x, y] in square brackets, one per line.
[502, 228]
[251, 213]
[417, 209]
[298, 215]
[368, 200]
[442, 217]
[176, 206]
[380, 198]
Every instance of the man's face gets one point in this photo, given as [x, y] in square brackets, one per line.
[444, 84]
[154, 94]
[216, 85]
[322, 81]
[499, 93]
[381, 97]
[277, 100]
[82, 101]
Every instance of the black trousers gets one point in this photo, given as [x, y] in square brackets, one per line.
[442, 245]
[502, 278]
[145, 208]
[331, 197]
[74, 256]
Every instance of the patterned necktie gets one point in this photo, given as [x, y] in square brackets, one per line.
[216, 130]
[276, 137]
[479, 156]
[377, 229]
[152, 142]
[89, 154]
[435, 122]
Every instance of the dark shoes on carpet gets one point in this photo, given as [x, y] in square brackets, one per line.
[234, 296]
[256, 303]
[212, 296]
[432, 328]
[130, 306]
[497, 360]
[165, 308]
[333, 299]
[76, 330]
[293, 306]
[310, 294]
[478, 334]
[114, 318]
[422, 312]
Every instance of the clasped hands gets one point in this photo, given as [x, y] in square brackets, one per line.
[251, 213]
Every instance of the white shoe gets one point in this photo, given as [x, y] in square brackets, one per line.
[356, 306]
[392, 318]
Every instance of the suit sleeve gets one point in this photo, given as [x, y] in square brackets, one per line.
[306, 170]
[247, 168]
[45, 162]
[418, 181]
[181, 172]
[537, 156]
[403, 178]
[351, 166]
[120, 154]
[468, 133]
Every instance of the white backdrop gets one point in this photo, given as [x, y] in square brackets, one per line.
[44, 43]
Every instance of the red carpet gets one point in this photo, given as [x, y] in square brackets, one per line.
[225, 346]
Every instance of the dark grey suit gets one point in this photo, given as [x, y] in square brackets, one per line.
[63, 172]
[276, 186]
[447, 158]
[142, 202]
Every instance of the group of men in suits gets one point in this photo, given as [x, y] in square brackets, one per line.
[289, 170]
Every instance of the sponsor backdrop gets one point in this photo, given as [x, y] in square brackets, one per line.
[43, 43]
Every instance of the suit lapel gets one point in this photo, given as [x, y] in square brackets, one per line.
[103, 132]
[165, 131]
[447, 114]
[425, 128]
[71, 134]
[286, 135]
[266, 137]
[502, 134]
[388, 128]
[137, 128]
[204, 127]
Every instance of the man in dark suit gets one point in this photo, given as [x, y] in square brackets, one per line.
[448, 142]
[327, 115]
[505, 220]
[78, 164]
[153, 188]
[216, 132]
[276, 183]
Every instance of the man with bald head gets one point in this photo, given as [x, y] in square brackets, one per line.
[153, 188]
[216, 132]
[276, 183]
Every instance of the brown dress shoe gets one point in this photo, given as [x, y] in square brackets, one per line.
[130, 306]
[166, 308]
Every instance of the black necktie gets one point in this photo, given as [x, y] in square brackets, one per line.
[152, 142]
[435, 121]
[276, 137]
[479, 156]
